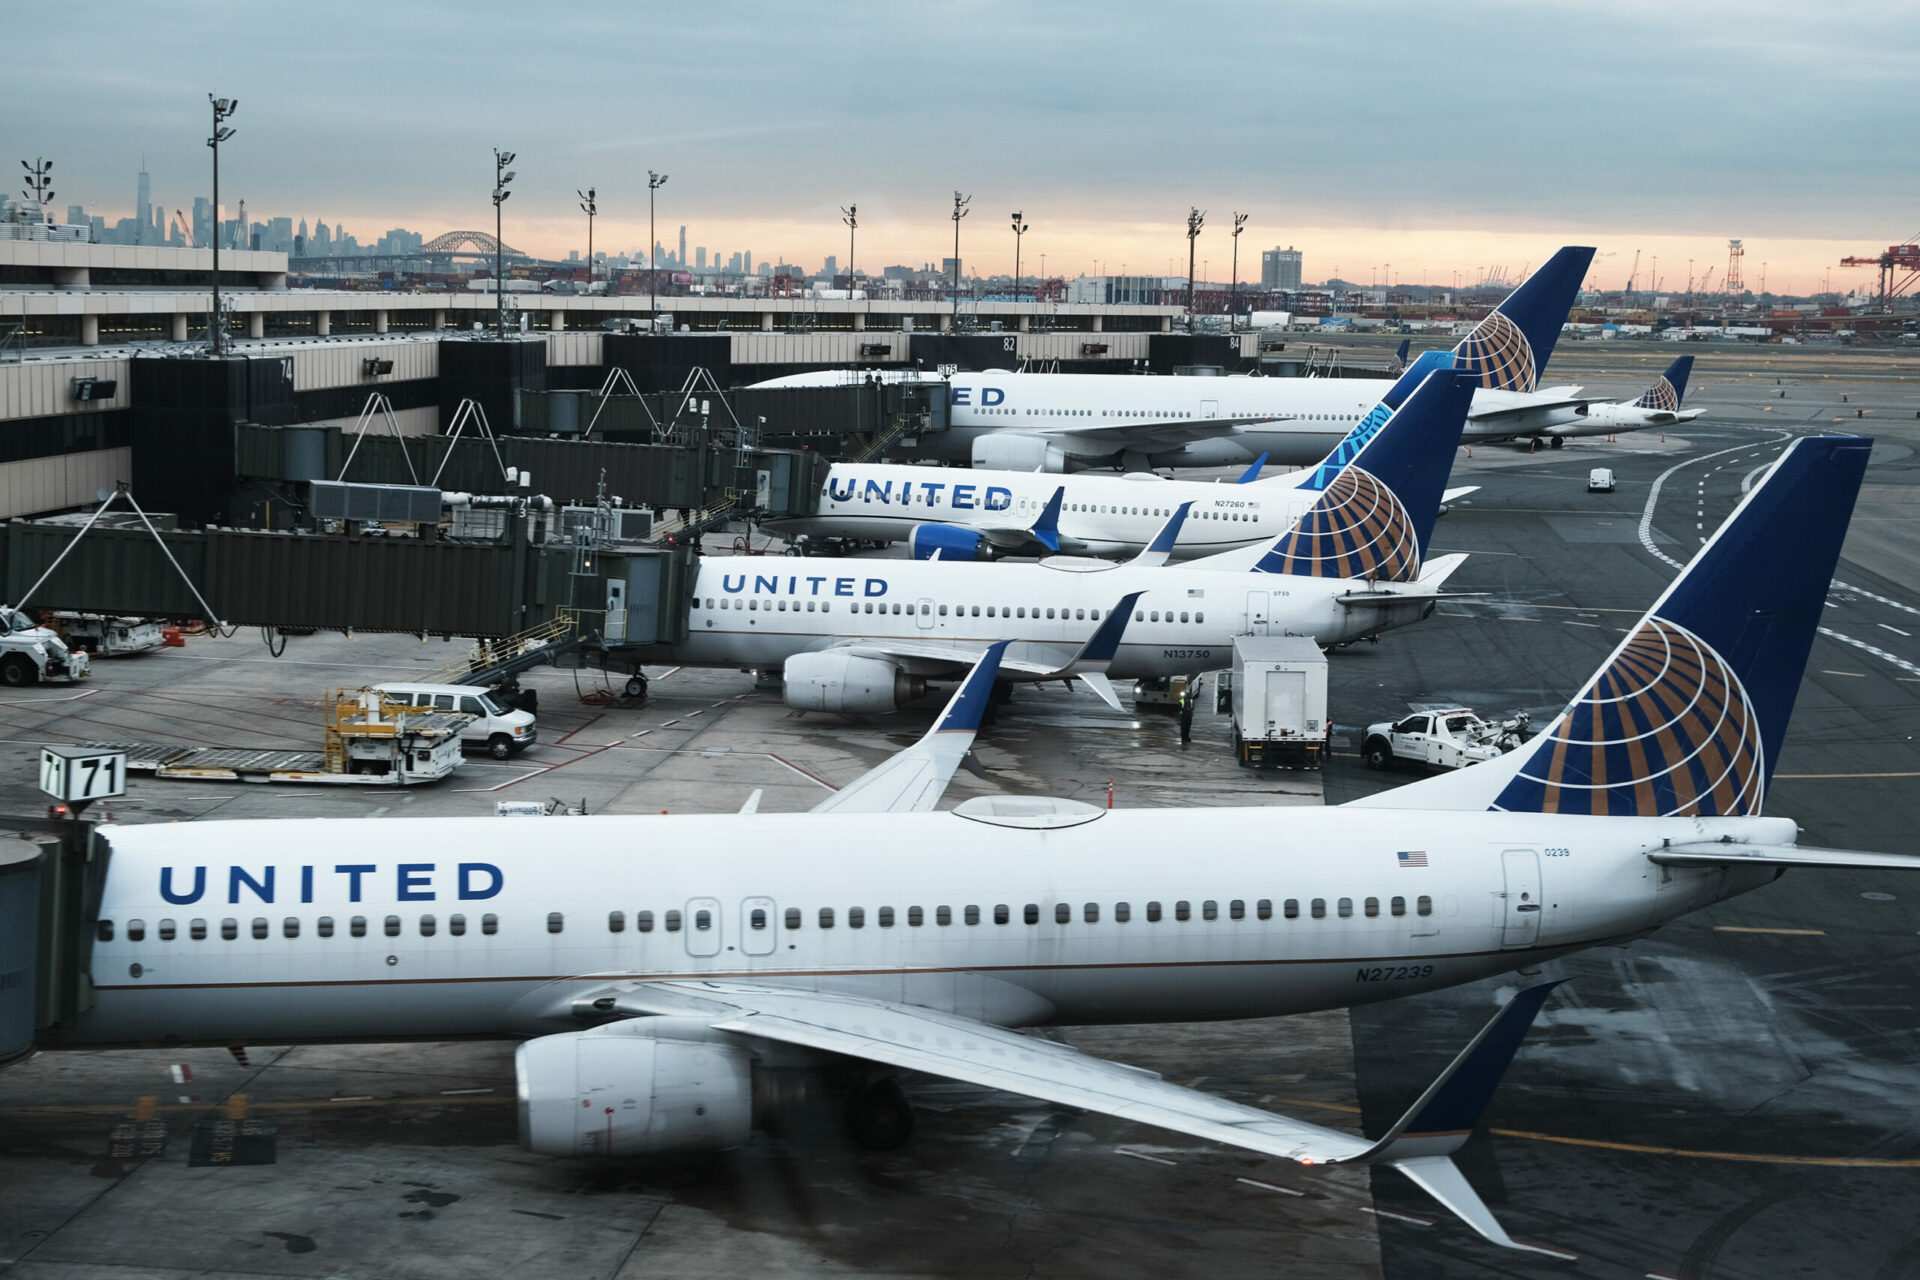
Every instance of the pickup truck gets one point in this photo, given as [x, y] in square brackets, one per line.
[1447, 738]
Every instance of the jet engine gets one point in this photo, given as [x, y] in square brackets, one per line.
[1011, 451]
[847, 682]
[952, 541]
[639, 1087]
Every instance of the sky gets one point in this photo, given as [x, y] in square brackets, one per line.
[1443, 139]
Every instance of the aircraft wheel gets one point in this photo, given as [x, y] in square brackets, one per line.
[637, 686]
[879, 1116]
[1558, 442]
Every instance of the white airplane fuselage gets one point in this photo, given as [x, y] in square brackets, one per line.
[330, 930]
[758, 611]
[1296, 421]
[1607, 419]
[1101, 514]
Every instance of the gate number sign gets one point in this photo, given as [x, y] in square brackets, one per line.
[82, 773]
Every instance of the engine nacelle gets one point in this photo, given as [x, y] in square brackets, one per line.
[641, 1087]
[847, 682]
[952, 541]
[1011, 451]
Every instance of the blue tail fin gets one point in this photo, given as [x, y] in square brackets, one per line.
[1400, 356]
[1374, 519]
[1510, 348]
[1670, 390]
[1687, 716]
[1046, 530]
[1252, 473]
[1368, 427]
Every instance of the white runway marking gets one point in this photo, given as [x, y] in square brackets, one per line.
[1897, 631]
[1141, 1155]
[1268, 1186]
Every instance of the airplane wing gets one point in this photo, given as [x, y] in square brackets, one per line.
[1089, 665]
[1455, 494]
[912, 781]
[912, 1038]
[1101, 439]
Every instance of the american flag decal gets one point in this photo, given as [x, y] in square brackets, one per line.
[1412, 858]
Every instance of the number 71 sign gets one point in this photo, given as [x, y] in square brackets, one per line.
[82, 773]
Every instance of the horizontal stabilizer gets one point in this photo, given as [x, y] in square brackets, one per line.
[1718, 854]
[1102, 688]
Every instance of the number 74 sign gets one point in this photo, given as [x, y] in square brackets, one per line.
[82, 773]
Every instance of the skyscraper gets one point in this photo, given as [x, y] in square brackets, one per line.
[748, 258]
[700, 257]
[143, 206]
[202, 222]
[681, 261]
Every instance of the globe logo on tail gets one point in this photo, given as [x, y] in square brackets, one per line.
[1665, 730]
[1661, 396]
[1357, 529]
[1499, 354]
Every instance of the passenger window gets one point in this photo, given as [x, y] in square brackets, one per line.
[826, 917]
[166, 931]
[915, 917]
[489, 924]
[290, 927]
[103, 931]
[1090, 913]
[1000, 913]
[1049, 613]
[1199, 617]
[643, 922]
[1319, 908]
[757, 918]
[136, 931]
[1153, 913]
[973, 915]
[229, 929]
[1263, 909]
[456, 925]
[1346, 907]
[261, 929]
[556, 921]
[702, 921]
[1209, 910]
[1236, 910]
[885, 917]
[616, 922]
[357, 926]
[393, 926]
[1122, 912]
[1424, 905]
[792, 917]
[1372, 907]
[1398, 906]
[943, 915]
[197, 930]
[856, 917]
[1062, 913]
[1031, 914]
[427, 926]
[672, 922]
[1183, 910]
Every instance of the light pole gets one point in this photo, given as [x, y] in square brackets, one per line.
[1196, 218]
[1233, 292]
[589, 205]
[655, 181]
[960, 204]
[1019, 230]
[850, 214]
[39, 187]
[501, 177]
[216, 323]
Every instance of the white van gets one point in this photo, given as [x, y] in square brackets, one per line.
[497, 729]
[1600, 480]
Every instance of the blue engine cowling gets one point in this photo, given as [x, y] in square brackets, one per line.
[952, 541]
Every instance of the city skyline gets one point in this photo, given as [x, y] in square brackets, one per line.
[1451, 147]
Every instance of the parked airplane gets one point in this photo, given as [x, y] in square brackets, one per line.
[1657, 406]
[977, 514]
[1072, 421]
[675, 1002]
[866, 635]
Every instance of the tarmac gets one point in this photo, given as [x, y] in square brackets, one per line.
[1728, 1097]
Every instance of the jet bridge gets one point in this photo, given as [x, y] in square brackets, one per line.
[52, 876]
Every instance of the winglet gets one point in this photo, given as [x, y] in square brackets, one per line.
[1400, 356]
[1252, 473]
[1160, 550]
[1100, 647]
[968, 707]
[1046, 530]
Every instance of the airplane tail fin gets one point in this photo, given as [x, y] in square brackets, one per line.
[1510, 348]
[1670, 390]
[1686, 717]
[1374, 518]
[1400, 355]
[1368, 427]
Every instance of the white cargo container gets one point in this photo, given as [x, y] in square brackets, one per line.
[1279, 693]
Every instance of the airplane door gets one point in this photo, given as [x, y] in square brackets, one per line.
[759, 926]
[1521, 924]
[923, 614]
[616, 609]
[1256, 613]
[1209, 410]
[703, 927]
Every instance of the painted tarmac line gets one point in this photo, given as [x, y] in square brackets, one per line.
[461, 1093]
[1397, 1217]
[1141, 1155]
[498, 786]
[1830, 777]
[1754, 928]
[1856, 675]
[36, 702]
[1268, 1186]
[1897, 631]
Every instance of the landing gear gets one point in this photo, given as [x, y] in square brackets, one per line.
[1557, 442]
[879, 1117]
[637, 687]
